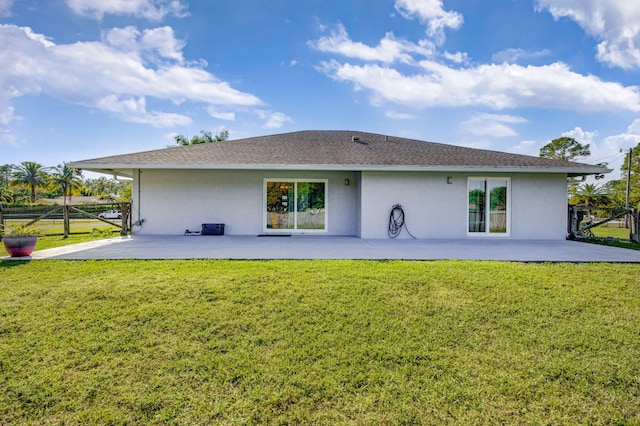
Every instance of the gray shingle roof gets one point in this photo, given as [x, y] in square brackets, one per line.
[314, 149]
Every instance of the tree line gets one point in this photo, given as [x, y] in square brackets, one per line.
[612, 194]
[29, 182]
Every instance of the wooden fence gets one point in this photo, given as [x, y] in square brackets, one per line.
[582, 220]
[65, 212]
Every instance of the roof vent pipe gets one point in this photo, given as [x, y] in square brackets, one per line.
[355, 138]
[386, 138]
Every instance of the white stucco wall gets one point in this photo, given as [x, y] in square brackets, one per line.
[539, 206]
[358, 205]
[435, 209]
[171, 201]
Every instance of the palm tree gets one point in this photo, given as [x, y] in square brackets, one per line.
[591, 195]
[32, 175]
[6, 196]
[67, 179]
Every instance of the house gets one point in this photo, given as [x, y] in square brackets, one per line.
[345, 183]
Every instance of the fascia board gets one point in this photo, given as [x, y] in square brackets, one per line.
[125, 169]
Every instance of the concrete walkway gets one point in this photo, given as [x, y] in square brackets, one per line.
[325, 247]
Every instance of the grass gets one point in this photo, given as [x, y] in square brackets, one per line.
[318, 342]
[51, 232]
[52, 240]
[604, 232]
[615, 237]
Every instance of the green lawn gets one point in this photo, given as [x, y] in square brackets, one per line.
[51, 232]
[604, 232]
[318, 342]
[616, 237]
[46, 241]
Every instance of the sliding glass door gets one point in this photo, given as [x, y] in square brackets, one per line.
[295, 204]
[488, 207]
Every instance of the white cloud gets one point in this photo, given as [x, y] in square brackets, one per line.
[431, 82]
[124, 39]
[274, 120]
[5, 8]
[635, 128]
[626, 140]
[7, 115]
[582, 136]
[494, 86]
[458, 57]
[154, 10]
[494, 125]
[116, 75]
[613, 23]
[399, 115]
[388, 50]
[134, 110]
[7, 138]
[213, 112]
[431, 13]
[515, 55]
[319, 26]
[7, 112]
[163, 41]
[526, 147]
[155, 43]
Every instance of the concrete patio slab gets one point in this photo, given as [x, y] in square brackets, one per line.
[330, 247]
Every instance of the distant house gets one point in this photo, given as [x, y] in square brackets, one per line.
[345, 183]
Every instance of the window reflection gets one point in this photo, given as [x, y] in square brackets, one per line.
[296, 205]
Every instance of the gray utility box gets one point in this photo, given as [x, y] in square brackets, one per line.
[212, 229]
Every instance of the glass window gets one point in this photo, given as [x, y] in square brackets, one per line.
[310, 205]
[295, 204]
[497, 206]
[488, 215]
[280, 200]
[476, 205]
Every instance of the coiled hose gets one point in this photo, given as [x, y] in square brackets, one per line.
[396, 222]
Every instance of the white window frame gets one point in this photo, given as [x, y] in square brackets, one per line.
[295, 209]
[487, 232]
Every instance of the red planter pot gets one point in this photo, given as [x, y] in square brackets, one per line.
[19, 246]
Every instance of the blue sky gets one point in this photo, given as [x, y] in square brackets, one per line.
[88, 78]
